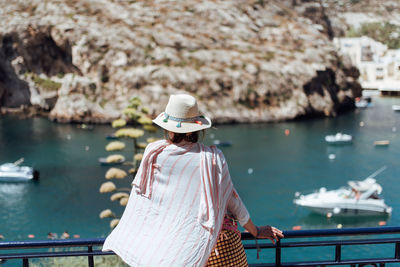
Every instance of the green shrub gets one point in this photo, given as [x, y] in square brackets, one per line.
[46, 84]
[386, 33]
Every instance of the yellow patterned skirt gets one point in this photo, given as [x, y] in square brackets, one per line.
[229, 251]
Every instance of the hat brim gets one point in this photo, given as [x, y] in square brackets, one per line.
[185, 127]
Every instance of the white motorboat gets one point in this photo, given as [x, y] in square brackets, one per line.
[358, 198]
[12, 172]
[220, 143]
[339, 138]
[396, 107]
[363, 102]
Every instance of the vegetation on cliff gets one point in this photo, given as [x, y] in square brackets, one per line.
[384, 32]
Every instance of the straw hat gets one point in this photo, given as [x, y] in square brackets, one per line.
[182, 115]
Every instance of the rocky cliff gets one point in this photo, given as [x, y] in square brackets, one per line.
[246, 61]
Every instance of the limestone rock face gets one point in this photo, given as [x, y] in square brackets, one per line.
[246, 61]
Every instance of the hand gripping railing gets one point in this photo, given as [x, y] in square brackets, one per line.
[26, 250]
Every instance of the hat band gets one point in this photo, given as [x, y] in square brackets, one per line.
[180, 120]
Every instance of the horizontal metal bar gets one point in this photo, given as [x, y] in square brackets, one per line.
[343, 262]
[333, 232]
[322, 263]
[54, 254]
[341, 232]
[324, 243]
[52, 243]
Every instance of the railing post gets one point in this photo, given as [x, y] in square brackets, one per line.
[90, 257]
[278, 253]
[25, 262]
[397, 251]
[338, 253]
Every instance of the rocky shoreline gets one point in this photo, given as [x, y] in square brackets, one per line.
[246, 61]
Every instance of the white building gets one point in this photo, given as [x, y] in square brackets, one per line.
[379, 66]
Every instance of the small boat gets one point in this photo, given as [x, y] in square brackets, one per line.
[111, 137]
[112, 160]
[12, 172]
[381, 143]
[220, 143]
[358, 198]
[363, 102]
[396, 107]
[338, 138]
[85, 126]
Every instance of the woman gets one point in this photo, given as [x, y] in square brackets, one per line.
[183, 200]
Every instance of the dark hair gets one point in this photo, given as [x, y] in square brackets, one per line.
[192, 137]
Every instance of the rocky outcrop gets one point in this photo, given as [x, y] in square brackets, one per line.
[14, 92]
[246, 61]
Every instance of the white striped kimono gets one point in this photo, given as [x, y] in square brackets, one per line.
[175, 211]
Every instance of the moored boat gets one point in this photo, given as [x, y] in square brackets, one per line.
[220, 143]
[358, 198]
[363, 102]
[339, 138]
[12, 172]
[381, 143]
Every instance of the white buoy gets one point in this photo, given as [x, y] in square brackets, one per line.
[332, 156]
[250, 171]
[362, 124]
[336, 210]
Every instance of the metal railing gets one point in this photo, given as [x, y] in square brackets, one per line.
[25, 250]
[336, 244]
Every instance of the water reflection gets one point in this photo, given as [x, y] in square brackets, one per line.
[316, 221]
[13, 194]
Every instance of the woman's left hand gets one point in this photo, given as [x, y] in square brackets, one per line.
[272, 233]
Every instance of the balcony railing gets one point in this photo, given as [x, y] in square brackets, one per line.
[25, 250]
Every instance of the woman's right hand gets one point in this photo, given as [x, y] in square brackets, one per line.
[267, 231]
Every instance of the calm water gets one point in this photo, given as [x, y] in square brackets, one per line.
[267, 167]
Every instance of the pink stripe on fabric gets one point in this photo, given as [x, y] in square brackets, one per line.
[226, 189]
[172, 168]
[152, 147]
[187, 236]
[216, 182]
[209, 184]
[148, 171]
[170, 203]
[187, 189]
[205, 189]
[152, 202]
[143, 202]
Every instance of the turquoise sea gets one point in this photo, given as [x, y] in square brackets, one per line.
[267, 166]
